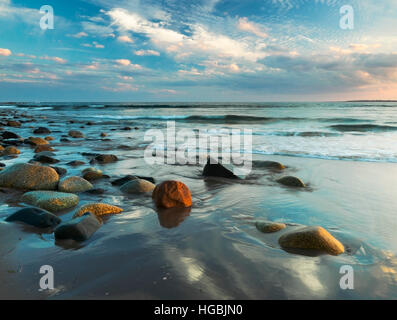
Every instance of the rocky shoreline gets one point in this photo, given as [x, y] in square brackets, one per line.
[49, 190]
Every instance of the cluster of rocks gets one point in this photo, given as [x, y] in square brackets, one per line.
[50, 195]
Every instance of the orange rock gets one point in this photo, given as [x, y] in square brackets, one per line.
[170, 194]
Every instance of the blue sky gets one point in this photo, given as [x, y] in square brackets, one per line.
[204, 50]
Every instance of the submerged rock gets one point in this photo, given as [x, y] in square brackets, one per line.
[35, 217]
[43, 158]
[97, 191]
[312, 238]
[269, 227]
[98, 209]
[268, 165]
[10, 135]
[51, 200]
[75, 134]
[124, 180]
[49, 138]
[36, 141]
[74, 185]
[43, 148]
[170, 194]
[214, 169]
[75, 163]
[137, 186]
[291, 182]
[42, 130]
[92, 174]
[78, 229]
[13, 123]
[106, 158]
[60, 171]
[10, 150]
[29, 177]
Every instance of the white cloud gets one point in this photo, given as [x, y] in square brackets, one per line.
[147, 53]
[245, 25]
[79, 35]
[55, 59]
[126, 39]
[5, 52]
[123, 62]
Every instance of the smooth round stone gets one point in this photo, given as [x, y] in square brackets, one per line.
[43, 148]
[92, 174]
[98, 209]
[292, 182]
[171, 194]
[106, 158]
[312, 238]
[29, 177]
[37, 141]
[137, 186]
[269, 227]
[51, 200]
[78, 229]
[35, 217]
[74, 185]
[75, 134]
[11, 150]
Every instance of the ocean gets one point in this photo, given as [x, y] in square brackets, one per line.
[346, 153]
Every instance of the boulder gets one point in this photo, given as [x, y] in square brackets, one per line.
[51, 200]
[74, 185]
[170, 194]
[11, 150]
[10, 135]
[98, 209]
[43, 158]
[269, 227]
[291, 182]
[36, 141]
[75, 134]
[75, 163]
[92, 174]
[13, 123]
[215, 169]
[137, 186]
[42, 130]
[106, 158]
[268, 165]
[29, 177]
[78, 229]
[42, 148]
[316, 238]
[35, 217]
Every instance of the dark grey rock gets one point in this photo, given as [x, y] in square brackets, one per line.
[214, 169]
[35, 217]
[78, 229]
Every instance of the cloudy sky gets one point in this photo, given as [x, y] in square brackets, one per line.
[198, 50]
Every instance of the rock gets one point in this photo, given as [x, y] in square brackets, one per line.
[171, 194]
[64, 140]
[11, 150]
[60, 171]
[215, 169]
[268, 165]
[51, 200]
[13, 123]
[1, 149]
[12, 142]
[49, 138]
[316, 238]
[98, 209]
[106, 158]
[121, 181]
[29, 177]
[78, 229]
[104, 134]
[92, 174]
[269, 227]
[42, 130]
[10, 135]
[45, 159]
[98, 191]
[74, 185]
[36, 141]
[75, 163]
[2, 165]
[75, 134]
[137, 186]
[42, 148]
[35, 217]
[291, 182]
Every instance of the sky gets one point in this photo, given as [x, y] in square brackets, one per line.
[197, 50]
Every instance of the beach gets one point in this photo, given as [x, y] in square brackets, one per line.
[344, 153]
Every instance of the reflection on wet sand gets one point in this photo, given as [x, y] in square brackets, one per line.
[172, 218]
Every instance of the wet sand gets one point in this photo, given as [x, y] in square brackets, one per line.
[213, 251]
